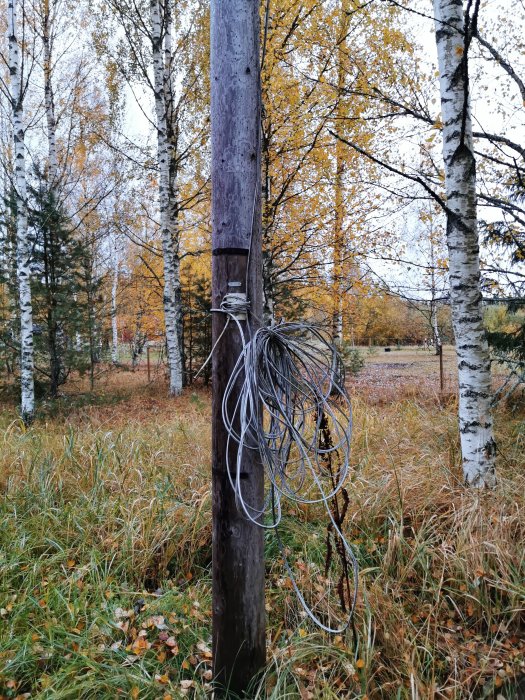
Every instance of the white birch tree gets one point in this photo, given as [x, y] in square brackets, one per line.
[475, 417]
[114, 289]
[46, 25]
[22, 237]
[166, 55]
[162, 58]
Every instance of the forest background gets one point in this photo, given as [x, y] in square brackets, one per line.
[352, 237]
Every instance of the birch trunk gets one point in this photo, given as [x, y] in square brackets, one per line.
[22, 237]
[172, 131]
[169, 248]
[114, 325]
[475, 417]
[433, 304]
[340, 164]
[48, 96]
[269, 305]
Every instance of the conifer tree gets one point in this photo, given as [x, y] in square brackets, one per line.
[57, 261]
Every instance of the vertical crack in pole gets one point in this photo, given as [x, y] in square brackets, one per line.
[238, 545]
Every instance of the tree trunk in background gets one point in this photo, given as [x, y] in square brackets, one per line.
[169, 248]
[48, 94]
[23, 243]
[114, 325]
[338, 248]
[55, 332]
[340, 162]
[91, 336]
[435, 327]
[475, 417]
[172, 134]
[50, 282]
[433, 303]
[268, 281]
[9, 243]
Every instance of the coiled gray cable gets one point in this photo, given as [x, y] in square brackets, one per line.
[289, 388]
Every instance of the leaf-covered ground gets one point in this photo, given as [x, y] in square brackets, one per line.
[105, 556]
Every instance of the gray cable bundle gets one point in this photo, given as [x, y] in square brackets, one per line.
[293, 408]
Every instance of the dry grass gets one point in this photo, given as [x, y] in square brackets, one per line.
[448, 594]
[108, 500]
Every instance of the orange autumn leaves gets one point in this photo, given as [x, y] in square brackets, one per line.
[158, 634]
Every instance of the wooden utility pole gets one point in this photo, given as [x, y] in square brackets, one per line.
[238, 545]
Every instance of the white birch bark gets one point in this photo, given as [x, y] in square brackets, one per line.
[48, 93]
[172, 132]
[169, 250]
[269, 305]
[433, 304]
[475, 418]
[23, 243]
[114, 322]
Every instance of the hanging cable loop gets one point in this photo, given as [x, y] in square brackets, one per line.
[286, 399]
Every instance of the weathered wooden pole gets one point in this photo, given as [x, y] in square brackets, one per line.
[238, 555]
[149, 362]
